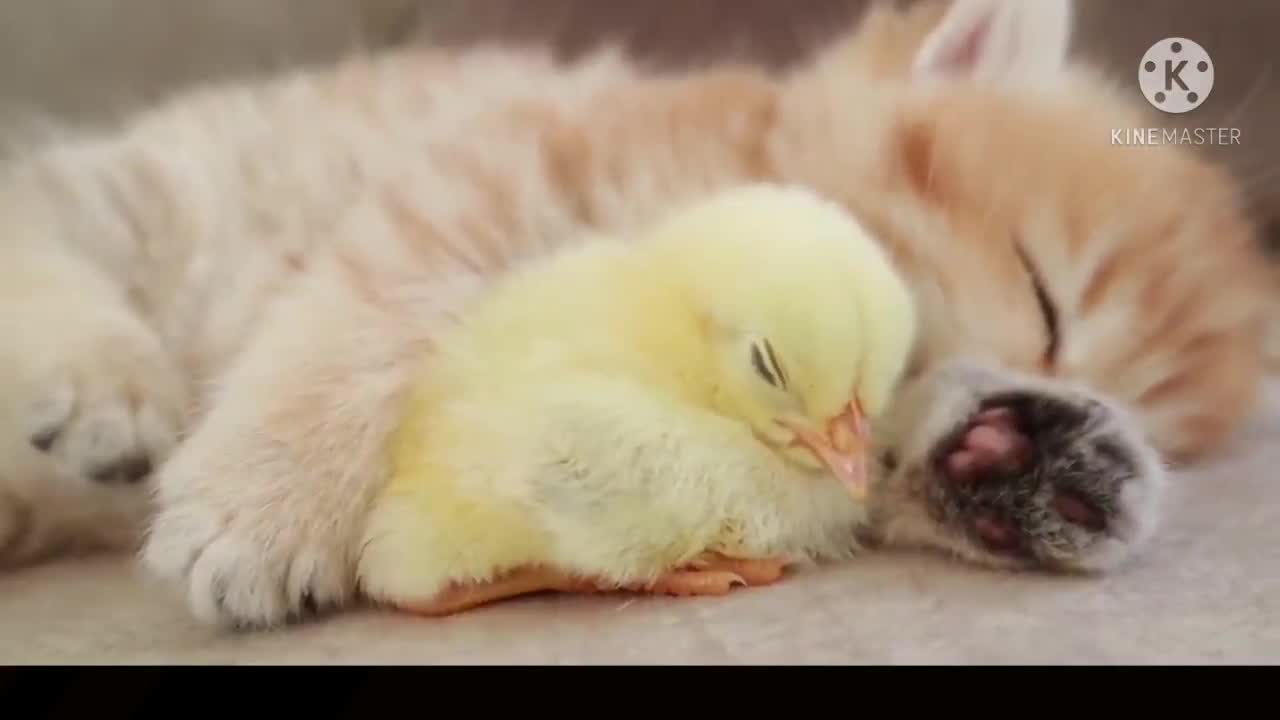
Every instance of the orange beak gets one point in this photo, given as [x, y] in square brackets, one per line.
[844, 448]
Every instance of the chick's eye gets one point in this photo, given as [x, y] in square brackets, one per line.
[765, 362]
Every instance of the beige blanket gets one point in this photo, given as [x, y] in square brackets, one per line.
[1208, 592]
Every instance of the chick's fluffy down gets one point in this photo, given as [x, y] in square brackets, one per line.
[608, 486]
[571, 419]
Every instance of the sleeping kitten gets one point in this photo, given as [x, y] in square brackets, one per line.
[237, 285]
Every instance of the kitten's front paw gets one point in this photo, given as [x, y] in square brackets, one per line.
[245, 566]
[1044, 478]
[1016, 471]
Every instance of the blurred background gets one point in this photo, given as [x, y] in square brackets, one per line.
[86, 61]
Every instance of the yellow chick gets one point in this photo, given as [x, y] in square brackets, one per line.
[679, 413]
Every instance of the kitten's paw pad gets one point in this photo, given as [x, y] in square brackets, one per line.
[245, 570]
[992, 442]
[108, 415]
[1051, 479]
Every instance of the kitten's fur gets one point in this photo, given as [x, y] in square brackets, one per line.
[253, 268]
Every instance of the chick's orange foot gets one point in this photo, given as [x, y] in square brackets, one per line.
[525, 581]
[711, 574]
[716, 574]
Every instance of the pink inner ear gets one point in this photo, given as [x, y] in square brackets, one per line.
[965, 53]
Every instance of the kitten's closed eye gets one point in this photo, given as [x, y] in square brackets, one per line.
[1047, 307]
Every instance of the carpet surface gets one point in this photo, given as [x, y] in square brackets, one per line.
[1207, 592]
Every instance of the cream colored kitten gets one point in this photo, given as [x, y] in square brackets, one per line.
[254, 268]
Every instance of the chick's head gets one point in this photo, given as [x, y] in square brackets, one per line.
[805, 324]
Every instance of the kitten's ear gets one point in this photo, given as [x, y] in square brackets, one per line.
[992, 39]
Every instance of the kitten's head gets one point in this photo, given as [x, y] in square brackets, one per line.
[962, 133]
